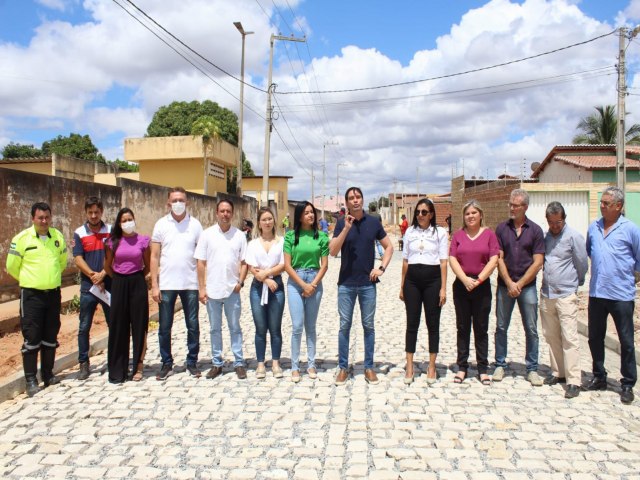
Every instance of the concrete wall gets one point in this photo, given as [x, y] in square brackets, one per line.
[66, 197]
[43, 168]
[76, 168]
[560, 172]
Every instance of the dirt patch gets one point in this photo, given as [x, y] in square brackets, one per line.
[10, 344]
[583, 298]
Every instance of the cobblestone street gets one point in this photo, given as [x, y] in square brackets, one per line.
[274, 429]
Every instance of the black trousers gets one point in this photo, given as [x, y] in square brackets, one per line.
[422, 290]
[472, 310]
[622, 313]
[129, 318]
[39, 318]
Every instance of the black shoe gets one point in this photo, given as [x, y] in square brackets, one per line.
[241, 372]
[32, 386]
[85, 371]
[551, 380]
[626, 396]
[50, 381]
[572, 391]
[165, 372]
[597, 383]
[194, 371]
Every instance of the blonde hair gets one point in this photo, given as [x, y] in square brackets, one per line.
[472, 204]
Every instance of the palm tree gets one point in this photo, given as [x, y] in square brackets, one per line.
[208, 128]
[602, 128]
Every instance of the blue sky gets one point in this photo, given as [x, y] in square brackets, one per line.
[88, 67]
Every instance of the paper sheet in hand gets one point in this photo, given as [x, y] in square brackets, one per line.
[105, 295]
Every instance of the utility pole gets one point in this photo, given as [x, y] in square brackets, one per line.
[338, 165]
[395, 206]
[324, 170]
[238, 25]
[313, 196]
[418, 182]
[264, 202]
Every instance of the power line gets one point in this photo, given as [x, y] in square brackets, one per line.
[450, 75]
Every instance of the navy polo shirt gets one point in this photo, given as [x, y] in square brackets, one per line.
[519, 251]
[357, 253]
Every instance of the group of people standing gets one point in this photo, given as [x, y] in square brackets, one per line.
[209, 266]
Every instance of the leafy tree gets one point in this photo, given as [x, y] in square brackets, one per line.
[373, 205]
[197, 118]
[17, 150]
[75, 145]
[383, 201]
[123, 165]
[602, 128]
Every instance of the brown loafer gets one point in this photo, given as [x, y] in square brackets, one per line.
[241, 372]
[370, 376]
[342, 376]
[214, 372]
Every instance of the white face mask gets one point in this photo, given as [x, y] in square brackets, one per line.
[178, 208]
[128, 227]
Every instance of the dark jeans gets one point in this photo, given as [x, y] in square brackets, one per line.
[189, 299]
[422, 289]
[267, 318]
[88, 304]
[622, 313]
[472, 309]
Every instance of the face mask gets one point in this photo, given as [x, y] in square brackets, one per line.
[128, 227]
[178, 208]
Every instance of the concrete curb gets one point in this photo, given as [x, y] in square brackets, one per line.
[610, 341]
[14, 385]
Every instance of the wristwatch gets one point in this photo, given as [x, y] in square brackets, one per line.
[381, 268]
[241, 284]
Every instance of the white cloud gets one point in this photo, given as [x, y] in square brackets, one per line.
[67, 73]
[53, 4]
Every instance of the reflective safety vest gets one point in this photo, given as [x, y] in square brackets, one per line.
[36, 263]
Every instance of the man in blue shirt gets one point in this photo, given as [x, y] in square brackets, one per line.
[613, 243]
[565, 266]
[354, 237]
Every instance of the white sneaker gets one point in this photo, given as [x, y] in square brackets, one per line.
[498, 374]
[535, 379]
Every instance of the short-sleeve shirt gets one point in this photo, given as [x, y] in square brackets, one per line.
[309, 250]
[178, 242]
[90, 246]
[358, 250]
[519, 251]
[473, 255]
[258, 257]
[224, 252]
[129, 257]
[426, 246]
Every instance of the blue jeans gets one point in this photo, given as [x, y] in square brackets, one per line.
[88, 304]
[304, 313]
[189, 299]
[267, 318]
[528, 306]
[231, 306]
[380, 250]
[346, 303]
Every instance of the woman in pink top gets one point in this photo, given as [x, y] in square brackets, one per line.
[473, 255]
[127, 261]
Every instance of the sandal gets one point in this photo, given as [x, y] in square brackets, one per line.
[485, 379]
[138, 375]
[460, 376]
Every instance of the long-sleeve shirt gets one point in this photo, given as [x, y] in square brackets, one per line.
[613, 259]
[565, 263]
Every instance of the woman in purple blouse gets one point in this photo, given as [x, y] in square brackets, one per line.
[473, 255]
[127, 261]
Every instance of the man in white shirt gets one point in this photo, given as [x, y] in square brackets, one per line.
[221, 272]
[173, 274]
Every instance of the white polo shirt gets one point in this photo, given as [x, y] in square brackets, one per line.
[178, 242]
[223, 253]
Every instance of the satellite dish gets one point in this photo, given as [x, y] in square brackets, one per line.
[535, 166]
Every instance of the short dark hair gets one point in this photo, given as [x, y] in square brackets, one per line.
[352, 189]
[91, 201]
[554, 208]
[40, 206]
[176, 189]
[224, 200]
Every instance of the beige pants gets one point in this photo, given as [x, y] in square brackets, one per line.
[559, 317]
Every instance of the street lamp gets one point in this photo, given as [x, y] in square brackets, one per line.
[338, 165]
[324, 164]
[238, 25]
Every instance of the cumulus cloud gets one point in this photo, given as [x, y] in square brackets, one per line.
[421, 132]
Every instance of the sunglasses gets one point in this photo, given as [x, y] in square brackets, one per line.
[424, 213]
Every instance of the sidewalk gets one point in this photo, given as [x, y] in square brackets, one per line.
[271, 429]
